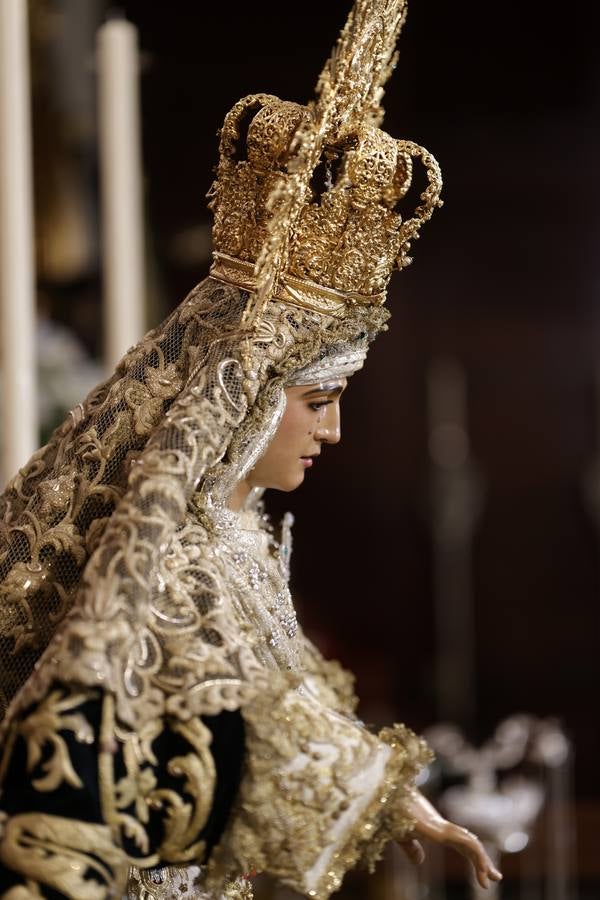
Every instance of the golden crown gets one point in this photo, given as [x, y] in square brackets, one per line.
[305, 200]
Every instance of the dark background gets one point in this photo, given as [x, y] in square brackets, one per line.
[505, 279]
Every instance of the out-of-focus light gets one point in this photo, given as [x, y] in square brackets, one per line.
[448, 445]
[423, 776]
[515, 842]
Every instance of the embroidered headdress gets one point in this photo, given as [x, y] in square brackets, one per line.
[104, 567]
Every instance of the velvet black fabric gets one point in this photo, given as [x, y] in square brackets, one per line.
[19, 794]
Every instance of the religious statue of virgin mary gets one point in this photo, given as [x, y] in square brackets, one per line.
[168, 729]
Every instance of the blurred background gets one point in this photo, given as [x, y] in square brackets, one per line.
[448, 550]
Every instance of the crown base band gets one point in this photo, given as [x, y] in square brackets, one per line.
[289, 289]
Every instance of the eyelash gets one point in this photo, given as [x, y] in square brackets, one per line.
[319, 405]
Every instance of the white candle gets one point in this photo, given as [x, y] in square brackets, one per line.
[17, 277]
[121, 181]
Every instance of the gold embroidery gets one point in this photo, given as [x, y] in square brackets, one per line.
[304, 783]
[164, 883]
[41, 727]
[333, 684]
[168, 882]
[240, 889]
[28, 891]
[183, 811]
[410, 754]
[116, 797]
[78, 859]
[182, 819]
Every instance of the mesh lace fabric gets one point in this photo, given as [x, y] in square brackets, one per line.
[87, 525]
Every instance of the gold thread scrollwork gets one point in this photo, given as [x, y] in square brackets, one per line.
[78, 859]
[185, 820]
[42, 726]
[184, 812]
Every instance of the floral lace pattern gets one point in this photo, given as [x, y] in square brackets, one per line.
[99, 544]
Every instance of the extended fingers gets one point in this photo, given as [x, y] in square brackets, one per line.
[483, 865]
[485, 869]
[485, 875]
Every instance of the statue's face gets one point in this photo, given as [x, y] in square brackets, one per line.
[311, 419]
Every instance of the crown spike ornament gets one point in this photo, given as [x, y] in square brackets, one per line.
[353, 78]
[328, 245]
